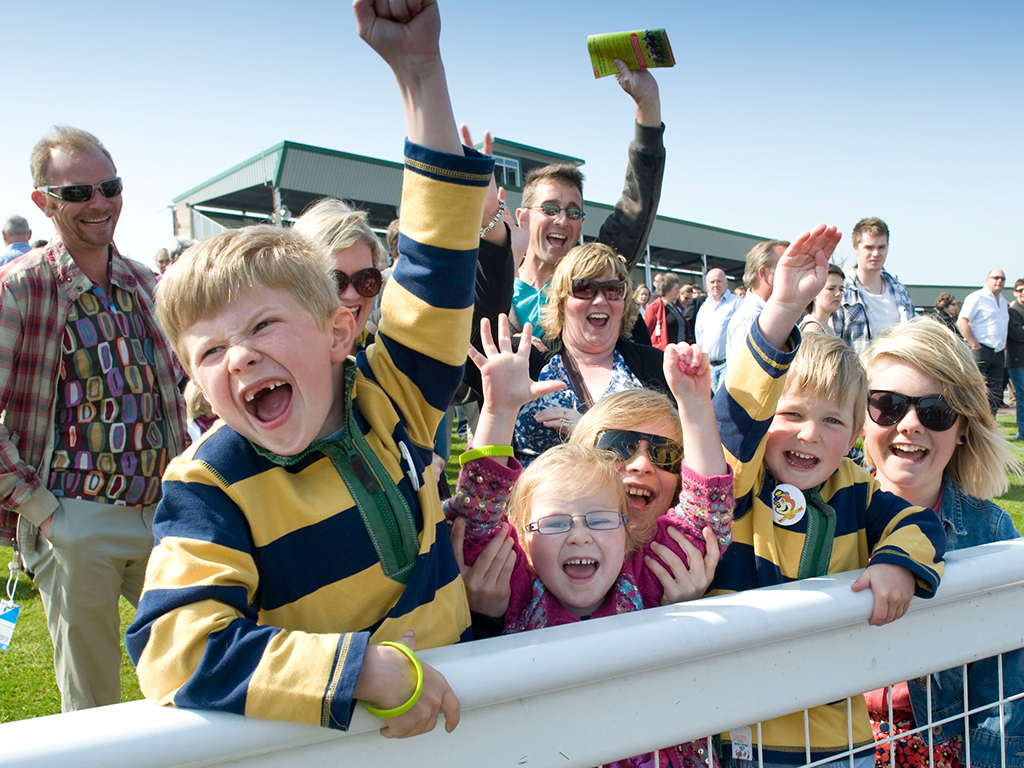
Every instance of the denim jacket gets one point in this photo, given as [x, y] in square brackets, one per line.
[969, 522]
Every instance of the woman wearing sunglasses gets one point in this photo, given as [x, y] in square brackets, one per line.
[932, 440]
[587, 320]
[359, 256]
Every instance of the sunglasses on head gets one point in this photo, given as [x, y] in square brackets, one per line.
[365, 281]
[664, 452]
[887, 408]
[586, 288]
[81, 193]
[599, 520]
[552, 210]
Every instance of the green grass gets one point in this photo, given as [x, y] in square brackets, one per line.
[27, 686]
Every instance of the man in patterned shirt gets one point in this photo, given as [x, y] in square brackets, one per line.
[92, 414]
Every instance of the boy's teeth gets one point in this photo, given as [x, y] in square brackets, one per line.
[269, 388]
[801, 455]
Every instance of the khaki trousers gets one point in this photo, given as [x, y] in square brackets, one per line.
[96, 553]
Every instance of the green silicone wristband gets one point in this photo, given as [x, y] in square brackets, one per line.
[487, 450]
[401, 709]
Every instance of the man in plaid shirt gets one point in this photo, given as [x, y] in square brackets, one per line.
[91, 414]
[873, 300]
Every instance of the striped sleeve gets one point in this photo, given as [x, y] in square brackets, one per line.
[196, 640]
[427, 307]
[745, 405]
[901, 534]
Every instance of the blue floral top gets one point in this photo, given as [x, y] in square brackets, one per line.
[532, 437]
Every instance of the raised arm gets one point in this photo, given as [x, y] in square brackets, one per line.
[507, 385]
[745, 406]
[406, 34]
[799, 277]
[629, 225]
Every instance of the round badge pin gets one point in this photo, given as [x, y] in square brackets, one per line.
[788, 505]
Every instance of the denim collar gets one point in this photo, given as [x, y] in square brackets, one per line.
[950, 508]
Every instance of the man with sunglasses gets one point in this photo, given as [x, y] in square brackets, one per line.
[983, 322]
[552, 206]
[92, 414]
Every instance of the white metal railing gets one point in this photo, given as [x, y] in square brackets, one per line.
[597, 691]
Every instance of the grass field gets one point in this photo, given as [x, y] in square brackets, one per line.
[27, 686]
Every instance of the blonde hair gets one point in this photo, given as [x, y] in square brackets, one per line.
[764, 254]
[826, 367]
[586, 261]
[195, 402]
[212, 274]
[979, 465]
[336, 225]
[62, 137]
[624, 410]
[572, 471]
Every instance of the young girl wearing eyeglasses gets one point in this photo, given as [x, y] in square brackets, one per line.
[931, 437]
[576, 557]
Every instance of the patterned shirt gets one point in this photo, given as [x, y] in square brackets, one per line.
[532, 437]
[37, 292]
[111, 441]
[850, 321]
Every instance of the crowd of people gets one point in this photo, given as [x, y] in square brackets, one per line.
[247, 446]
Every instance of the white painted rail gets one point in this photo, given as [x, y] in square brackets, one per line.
[597, 691]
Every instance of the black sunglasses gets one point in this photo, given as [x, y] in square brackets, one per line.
[81, 193]
[585, 288]
[664, 452]
[599, 520]
[365, 281]
[552, 210]
[887, 408]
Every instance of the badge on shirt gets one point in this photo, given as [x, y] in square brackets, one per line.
[788, 505]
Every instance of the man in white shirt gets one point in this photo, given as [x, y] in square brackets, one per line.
[983, 321]
[873, 300]
[712, 324]
[758, 276]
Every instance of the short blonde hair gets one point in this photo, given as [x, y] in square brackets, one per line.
[336, 225]
[764, 254]
[979, 465]
[826, 367]
[586, 261]
[212, 273]
[62, 137]
[624, 410]
[571, 470]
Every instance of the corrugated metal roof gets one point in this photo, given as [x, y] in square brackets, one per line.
[340, 175]
[261, 169]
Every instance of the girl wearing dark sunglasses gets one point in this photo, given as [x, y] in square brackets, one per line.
[931, 437]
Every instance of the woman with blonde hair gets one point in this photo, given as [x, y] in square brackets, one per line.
[932, 440]
[587, 322]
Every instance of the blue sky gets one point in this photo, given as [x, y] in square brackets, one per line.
[779, 115]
